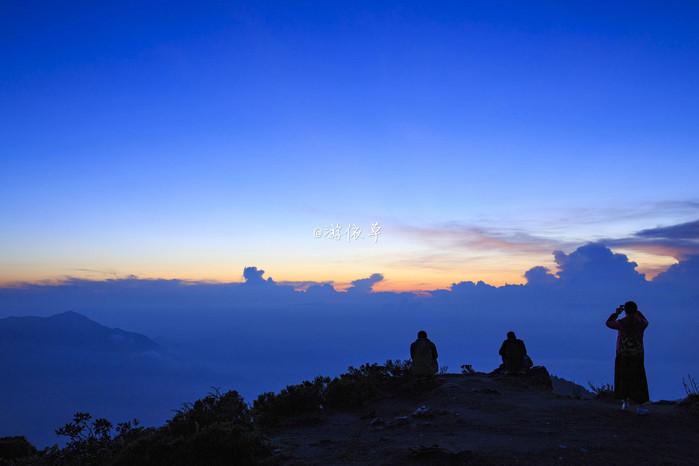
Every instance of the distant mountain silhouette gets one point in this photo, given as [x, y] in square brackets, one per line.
[69, 330]
[54, 366]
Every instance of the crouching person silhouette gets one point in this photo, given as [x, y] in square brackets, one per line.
[424, 355]
[514, 355]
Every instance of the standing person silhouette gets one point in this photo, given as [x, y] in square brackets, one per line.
[630, 382]
[424, 355]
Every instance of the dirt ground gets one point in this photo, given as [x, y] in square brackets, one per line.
[480, 419]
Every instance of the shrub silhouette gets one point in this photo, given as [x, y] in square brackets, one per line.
[602, 392]
[359, 386]
[215, 430]
[691, 401]
[214, 408]
[353, 389]
[690, 386]
[306, 398]
[90, 441]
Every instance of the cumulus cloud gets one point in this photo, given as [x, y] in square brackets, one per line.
[683, 274]
[592, 269]
[593, 265]
[321, 290]
[305, 285]
[540, 276]
[365, 285]
[469, 287]
[596, 264]
[253, 276]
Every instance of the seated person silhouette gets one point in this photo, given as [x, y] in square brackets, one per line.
[424, 355]
[514, 355]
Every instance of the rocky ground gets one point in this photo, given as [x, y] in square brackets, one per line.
[482, 419]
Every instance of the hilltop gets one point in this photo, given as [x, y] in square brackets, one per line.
[480, 419]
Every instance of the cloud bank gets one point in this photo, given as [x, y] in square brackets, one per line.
[259, 335]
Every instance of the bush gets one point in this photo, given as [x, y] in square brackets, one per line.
[212, 409]
[306, 398]
[690, 386]
[215, 430]
[359, 386]
[602, 392]
[90, 441]
[691, 401]
[215, 444]
[353, 389]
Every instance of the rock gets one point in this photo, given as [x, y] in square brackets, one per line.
[691, 404]
[664, 403]
[423, 411]
[571, 390]
[487, 391]
[438, 455]
[538, 376]
[429, 451]
[399, 421]
[15, 447]
[321, 442]
[370, 415]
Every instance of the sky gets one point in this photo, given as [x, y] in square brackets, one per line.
[189, 140]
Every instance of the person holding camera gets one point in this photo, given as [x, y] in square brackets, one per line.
[630, 382]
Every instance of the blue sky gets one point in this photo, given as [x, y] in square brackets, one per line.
[189, 140]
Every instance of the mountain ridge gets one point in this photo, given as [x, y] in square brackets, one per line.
[70, 330]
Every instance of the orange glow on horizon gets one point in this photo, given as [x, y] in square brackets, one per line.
[398, 277]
